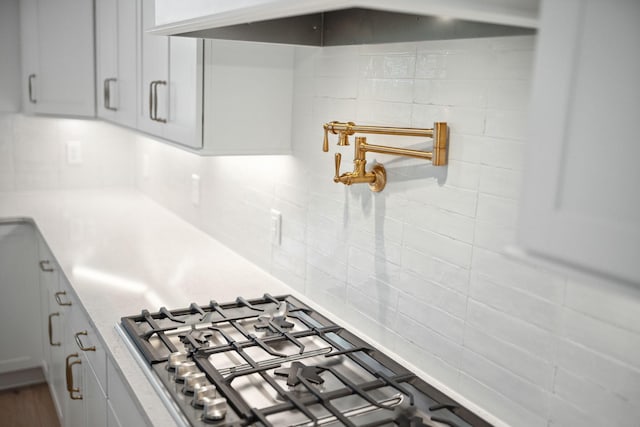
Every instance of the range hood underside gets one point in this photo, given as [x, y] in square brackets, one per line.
[356, 26]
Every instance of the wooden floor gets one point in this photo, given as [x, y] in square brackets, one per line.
[29, 406]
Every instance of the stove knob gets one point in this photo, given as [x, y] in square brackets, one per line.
[185, 369]
[202, 393]
[214, 409]
[176, 359]
[194, 381]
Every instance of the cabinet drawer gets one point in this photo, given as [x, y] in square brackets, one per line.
[84, 339]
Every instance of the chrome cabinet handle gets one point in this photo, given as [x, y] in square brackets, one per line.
[79, 343]
[155, 101]
[51, 343]
[58, 298]
[70, 387]
[151, 85]
[31, 97]
[43, 266]
[107, 93]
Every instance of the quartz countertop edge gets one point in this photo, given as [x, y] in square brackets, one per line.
[121, 252]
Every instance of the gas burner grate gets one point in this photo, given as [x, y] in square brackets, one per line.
[274, 361]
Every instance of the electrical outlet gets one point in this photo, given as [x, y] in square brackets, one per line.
[195, 189]
[74, 152]
[276, 227]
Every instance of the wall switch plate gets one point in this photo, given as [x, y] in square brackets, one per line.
[74, 152]
[195, 189]
[276, 227]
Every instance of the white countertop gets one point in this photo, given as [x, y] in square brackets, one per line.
[122, 252]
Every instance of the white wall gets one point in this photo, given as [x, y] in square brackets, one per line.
[418, 266]
[33, 154]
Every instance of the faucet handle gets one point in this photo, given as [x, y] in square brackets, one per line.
[338, 158]
[325, 141]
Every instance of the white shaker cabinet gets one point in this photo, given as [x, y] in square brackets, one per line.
[19, 299]
[116, 60]
[170, 104]
[581, 201]
[57, 45]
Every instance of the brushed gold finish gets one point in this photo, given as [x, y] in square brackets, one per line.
[58, 298]
[377, 177]
[69, 371]
[79, 342]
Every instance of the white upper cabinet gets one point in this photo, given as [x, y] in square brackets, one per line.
[116, 60]
[581, 202]
[170, 85]
[58, 57]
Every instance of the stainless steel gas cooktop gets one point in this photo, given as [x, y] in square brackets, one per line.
[274, 361]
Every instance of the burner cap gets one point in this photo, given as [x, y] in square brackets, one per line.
[277, 317]
[299, 370]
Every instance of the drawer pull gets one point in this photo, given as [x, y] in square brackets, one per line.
[74, 392]
[32, 99]
[79, 343]
[51, 343]
[58, 298]
[44, 266]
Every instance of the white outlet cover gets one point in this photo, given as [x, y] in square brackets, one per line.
[276, 227]
[74, 152]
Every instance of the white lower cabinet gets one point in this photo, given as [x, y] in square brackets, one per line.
[121, 409]
[19, 295]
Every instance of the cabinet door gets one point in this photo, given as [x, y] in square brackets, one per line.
[63, 82]
[20, 298]
[170, 84]
[116, 58]
[123, 412]
[581, 204]
[29, 52]
[94, 399]
[153, 72]
[49, 274]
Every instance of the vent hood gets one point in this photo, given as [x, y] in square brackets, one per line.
[344, 22]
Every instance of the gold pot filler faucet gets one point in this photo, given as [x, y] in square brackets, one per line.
[377, 177]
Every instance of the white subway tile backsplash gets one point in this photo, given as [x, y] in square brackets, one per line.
[508, 94]
[614, 376]
[504, 271]
[420, 289]
[602, 407]
[460, 93]
[522, 392]
[516, 303]
[565, 414]
[436, 270]
[598, 335]
[520, 362]
[506, 124]
[433, 342]
[449, 224]
[613, 303]
[511, 329]
[392, 90]
[438, 246]
[432, 317]
[494, 401]
[500, 182]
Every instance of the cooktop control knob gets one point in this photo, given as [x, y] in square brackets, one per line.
[202, 393]
[194, 381]
[214, 409]
[176, 359]
[184, 370]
